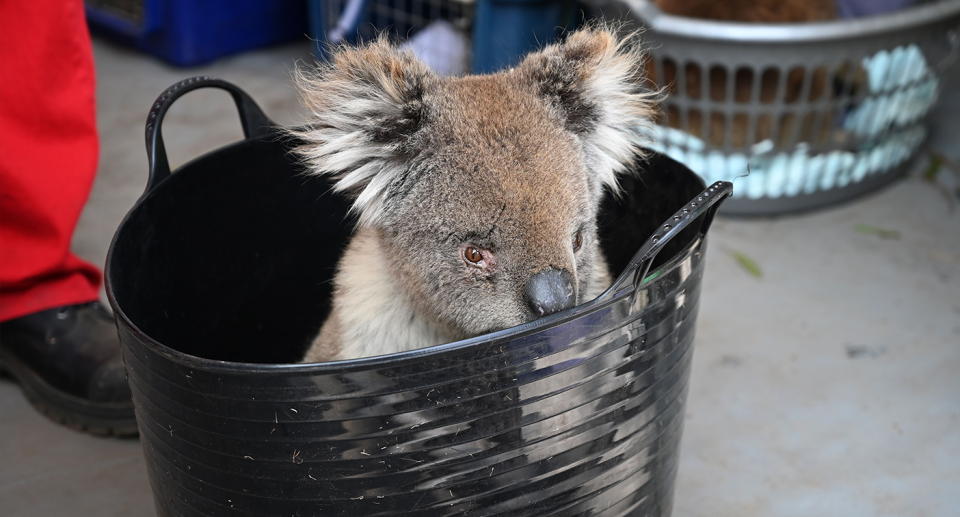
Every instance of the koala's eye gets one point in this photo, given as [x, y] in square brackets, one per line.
[577, 241]
[483, 261]
[472, 255]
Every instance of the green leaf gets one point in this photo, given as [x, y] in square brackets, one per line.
[748, 264]
[876, 232]
[935, 162]
[652, 276]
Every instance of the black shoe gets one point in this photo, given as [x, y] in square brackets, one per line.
[67, 361]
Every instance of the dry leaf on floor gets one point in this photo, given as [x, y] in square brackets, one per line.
[866, 229]
[748, 264]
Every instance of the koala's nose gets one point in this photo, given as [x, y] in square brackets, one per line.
[549, 291]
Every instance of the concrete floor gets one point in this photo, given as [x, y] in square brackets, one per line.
[830, 385]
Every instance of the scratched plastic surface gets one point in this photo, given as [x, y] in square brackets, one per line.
[220, 275]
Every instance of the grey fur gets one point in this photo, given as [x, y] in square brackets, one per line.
[512, 164]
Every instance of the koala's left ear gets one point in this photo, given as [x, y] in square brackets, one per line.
[594, 81]
[367, 107]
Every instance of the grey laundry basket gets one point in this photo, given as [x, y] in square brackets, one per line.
[819, 112]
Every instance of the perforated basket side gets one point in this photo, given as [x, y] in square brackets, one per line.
[817, 113]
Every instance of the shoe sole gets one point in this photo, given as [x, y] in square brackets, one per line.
[73, 412]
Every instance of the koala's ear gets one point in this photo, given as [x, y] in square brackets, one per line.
[366, 107]
[595, 83]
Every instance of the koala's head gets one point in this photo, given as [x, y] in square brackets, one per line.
[483, 190]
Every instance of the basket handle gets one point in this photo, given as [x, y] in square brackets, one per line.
[251, 117]
[704, 204]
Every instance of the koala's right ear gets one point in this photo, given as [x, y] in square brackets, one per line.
[366, 105]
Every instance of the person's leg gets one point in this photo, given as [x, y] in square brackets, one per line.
[48, 154]
[54, 338]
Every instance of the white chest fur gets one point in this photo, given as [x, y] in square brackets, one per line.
[370, 316]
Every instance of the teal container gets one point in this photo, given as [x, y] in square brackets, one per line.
[506, 30]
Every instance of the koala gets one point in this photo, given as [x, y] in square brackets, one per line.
[476, 197]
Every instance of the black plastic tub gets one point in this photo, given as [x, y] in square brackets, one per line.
[220, 275]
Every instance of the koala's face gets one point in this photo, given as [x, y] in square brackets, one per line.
[484, 189]
[499, 227]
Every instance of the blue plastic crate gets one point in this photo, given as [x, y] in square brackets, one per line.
[193, 32]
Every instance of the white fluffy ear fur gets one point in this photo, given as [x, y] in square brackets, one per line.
[595, 82]
[366, 106]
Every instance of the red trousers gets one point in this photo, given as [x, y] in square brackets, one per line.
[48, 154]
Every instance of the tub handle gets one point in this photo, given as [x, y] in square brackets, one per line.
[251, 117]
[704, 204]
